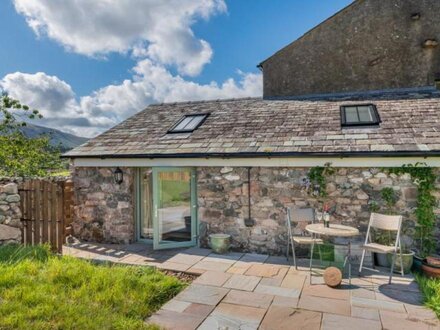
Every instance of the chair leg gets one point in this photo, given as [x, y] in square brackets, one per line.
[294, 254]
[362, 261]
[401, 262]
[287, 248]
[320, 255]
[311, 261]
[392, 266]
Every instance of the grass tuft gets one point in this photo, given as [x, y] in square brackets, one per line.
[43, 291]
[430, 288]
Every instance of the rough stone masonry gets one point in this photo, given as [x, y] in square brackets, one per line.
[104, 211]
[10, 213]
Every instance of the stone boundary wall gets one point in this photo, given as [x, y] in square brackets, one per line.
[223, 203]
[10, 213]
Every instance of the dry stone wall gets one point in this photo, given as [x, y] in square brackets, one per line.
[104, 210]
[10, 213]
[224, 203]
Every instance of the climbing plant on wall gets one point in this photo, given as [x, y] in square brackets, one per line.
[318, 181]
[424, 177]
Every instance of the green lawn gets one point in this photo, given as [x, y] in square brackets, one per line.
[42, 291]
[430, 288]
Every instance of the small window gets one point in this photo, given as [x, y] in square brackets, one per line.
[359, 115]
[188, 123]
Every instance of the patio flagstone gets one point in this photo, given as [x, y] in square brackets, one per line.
[332, 322]
[251, 291]
[280, 318]
[244, 316]
[212, 278]
[365, 313]
[242, 282]
[202, 294]
[400, 321]
[326, 305]
[378, 304]
[251, 299]
[212, 265]
[278, 291]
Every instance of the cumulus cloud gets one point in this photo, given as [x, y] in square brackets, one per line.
[157, 29]
[104, 108]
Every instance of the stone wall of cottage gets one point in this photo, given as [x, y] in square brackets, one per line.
[10, 212]
[104, 210]
[224, 203]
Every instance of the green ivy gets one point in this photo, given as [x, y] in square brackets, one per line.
[317, 176]
[424, 177]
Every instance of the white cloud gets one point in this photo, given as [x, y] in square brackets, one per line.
[104, 108]
[157, 29]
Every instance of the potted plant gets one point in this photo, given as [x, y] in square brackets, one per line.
[406, 260]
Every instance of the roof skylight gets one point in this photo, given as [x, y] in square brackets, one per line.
[188, 123]
[359, 115]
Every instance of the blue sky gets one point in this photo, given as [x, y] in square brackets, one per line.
[77, 64]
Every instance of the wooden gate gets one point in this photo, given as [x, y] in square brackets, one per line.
[46, 212]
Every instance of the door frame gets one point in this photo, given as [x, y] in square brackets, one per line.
[157, 245]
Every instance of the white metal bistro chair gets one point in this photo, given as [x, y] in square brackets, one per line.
[300, 215]
[391, 223]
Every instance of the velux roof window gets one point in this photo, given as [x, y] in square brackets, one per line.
[188, 123]
[359, 115]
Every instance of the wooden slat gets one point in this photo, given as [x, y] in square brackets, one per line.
[60, 217]
[37, 199]
[53, 215]
[45, 213]
[29, 215]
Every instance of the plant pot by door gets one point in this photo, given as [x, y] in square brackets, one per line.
[219, 243]
[382, 260]
[431, 270]
[417, 263]
[407, 262]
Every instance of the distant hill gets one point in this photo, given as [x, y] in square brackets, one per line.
[66, 141]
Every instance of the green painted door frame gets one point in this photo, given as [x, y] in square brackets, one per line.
[157, 243]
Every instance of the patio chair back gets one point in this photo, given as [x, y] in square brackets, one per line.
[386, 222]
[303, 215]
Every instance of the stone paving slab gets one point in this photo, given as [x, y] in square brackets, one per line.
[278, 291]
[250, 291]
[242, 316]
[280, 318]
[202, 294]
[212, 278]
[400, 321]
[333, 322]
[251, 299]
[378, 304]
[242, 282]
[326, 305]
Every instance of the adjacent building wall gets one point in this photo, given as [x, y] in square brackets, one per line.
[104, 210]
[360, 49]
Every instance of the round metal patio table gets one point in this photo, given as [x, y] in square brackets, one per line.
[335, 230]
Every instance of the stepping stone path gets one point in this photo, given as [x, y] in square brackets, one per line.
[252, 291]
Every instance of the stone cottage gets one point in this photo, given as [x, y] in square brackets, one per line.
[343, 94]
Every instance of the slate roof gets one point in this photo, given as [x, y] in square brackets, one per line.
[251, 127]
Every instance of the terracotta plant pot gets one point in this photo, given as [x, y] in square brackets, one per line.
[407, 262]
[431, 271]
[433, 261]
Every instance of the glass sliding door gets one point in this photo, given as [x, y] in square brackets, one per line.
[145, 195]
[174, 205]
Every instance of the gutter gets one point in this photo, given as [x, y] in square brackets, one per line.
[424, 154]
